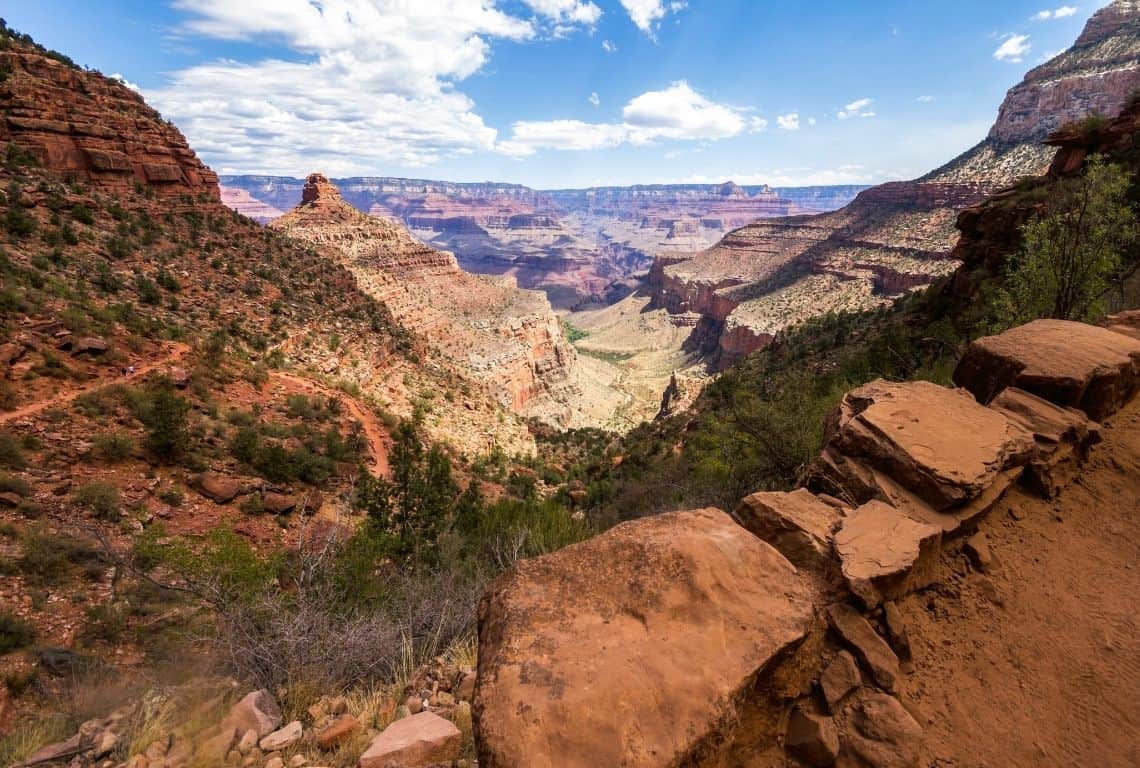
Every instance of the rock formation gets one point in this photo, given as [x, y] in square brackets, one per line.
[484, 327]
[900, 236]
[684, 639]
[94, 129]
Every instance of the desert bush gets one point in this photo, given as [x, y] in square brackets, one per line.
[113, 446]
[100, 497]
[13, 484]
[15, 632]
[11, 454]
[1074, 250]
[48, 559]
[164, 414]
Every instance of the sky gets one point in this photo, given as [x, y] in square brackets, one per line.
[568, 93]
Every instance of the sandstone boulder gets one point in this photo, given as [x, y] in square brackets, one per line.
[935, 442]
[885, 734]
[798, 524]
[871, 649]
[415, 741]
[90, 345]
[1070, 364]
[885, 554]
[340, 731]
[601, 653]
[257, 711]
[812, 738]
[219, 488]
[839, 679]
[1063, 438]
[282, 737]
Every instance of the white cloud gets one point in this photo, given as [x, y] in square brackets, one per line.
[126, 82]
[567, 11]
[857, 108]
[811, 121]
[1013, 49]
[646, 14]
[594, 99]
[803, 177]
[925, 99]
[608, 47]
[366, 84]
[1060, 13]
[530, 136]
[789, 122]
[678, 112]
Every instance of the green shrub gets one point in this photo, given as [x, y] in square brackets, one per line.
[12, 484]
[113, 446]
[11, 455]
[164, 414]
[49, 558]
[15, 632]
[82, 214]
[172, 496]
[100, 497]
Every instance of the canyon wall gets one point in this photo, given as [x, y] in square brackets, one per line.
[94, 129]
[484, 328]
[900, 236]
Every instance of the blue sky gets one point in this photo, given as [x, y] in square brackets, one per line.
[561, 93]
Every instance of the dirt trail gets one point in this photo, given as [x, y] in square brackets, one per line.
[1037, 662]
[374, 431]
[177, 351]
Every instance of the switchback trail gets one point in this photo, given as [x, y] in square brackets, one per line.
[176, 352]
[374, 431]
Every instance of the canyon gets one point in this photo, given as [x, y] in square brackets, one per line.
[899, 236]
[485, 329]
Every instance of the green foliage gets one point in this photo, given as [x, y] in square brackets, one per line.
[147, 290]
[573, 334]
[413, 508]
[1073, 250]
[13, 484]
[49, 558]
[82, 214]
[100, 497]
[15, 632]
[164, 414]
[113, 446]
[11, 454]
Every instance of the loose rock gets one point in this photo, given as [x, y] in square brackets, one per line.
[885, 554]
[871, 649]
[414, 741]
[839, 679]
[812, 738]
[799, 525]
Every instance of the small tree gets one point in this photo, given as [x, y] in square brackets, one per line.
[415, 506]
[1073, 249]
[164, 415]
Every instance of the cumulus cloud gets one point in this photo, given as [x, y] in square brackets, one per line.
[677, 112]
[608, 46]
[366, 84]
[926, 99]
[1013, 48]
[594, 99]
[647, 14]
[804, 177]
[126, 82]
[857, 108]
[1059, 13]
[789, 122]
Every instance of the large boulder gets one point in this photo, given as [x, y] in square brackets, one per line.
[798, 524]
[886, 554]
[639, 647]
[1071, 364]
[1063, 436]
[937, 443]
[257, 711]
[411, 742]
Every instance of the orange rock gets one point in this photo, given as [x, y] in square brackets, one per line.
[415, 741]
[604, 647]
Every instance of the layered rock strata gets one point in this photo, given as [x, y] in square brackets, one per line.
[94, 129]
[507, 339]
[900, 236]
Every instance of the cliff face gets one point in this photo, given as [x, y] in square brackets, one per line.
[899, 236]
[483, 328]
[90, 128]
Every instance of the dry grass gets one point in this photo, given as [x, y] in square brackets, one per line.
[29, 735]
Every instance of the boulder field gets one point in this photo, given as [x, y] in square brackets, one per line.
[773, 636]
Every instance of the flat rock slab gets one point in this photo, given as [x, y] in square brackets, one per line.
[885, 554]
[798, 524]
[412, 742]
[633, 648]
[1070, 364]
[868, 646]
[936, 442]
[1063, 438]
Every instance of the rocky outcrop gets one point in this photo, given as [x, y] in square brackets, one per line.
[91, 128]
[245, 204]
[899, 236]
[599, 653]
[1070, 364]
[486, 329]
